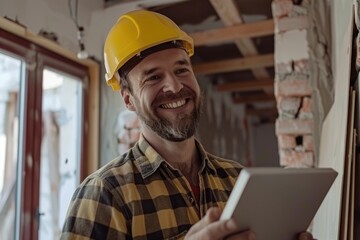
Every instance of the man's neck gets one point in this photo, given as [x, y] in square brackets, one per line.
[180, 155]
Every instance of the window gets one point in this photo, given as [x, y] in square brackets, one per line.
[11, 72]
[44, 128]
[60, 149]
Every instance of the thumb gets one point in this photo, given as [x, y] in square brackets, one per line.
[212, 215]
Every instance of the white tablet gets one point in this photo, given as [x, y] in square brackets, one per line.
[277, 203]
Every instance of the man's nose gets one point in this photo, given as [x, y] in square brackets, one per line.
[172, 84]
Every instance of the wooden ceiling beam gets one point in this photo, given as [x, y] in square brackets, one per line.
[244, 86]
[233, 65]
[232, 33]
[230, 14]
[253, 98]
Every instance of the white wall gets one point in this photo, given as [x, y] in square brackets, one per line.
[52, 16]
[333, 137]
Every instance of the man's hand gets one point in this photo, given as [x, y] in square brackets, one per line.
[210, 227]
[305, 236]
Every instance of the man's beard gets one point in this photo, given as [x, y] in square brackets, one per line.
[182, 128]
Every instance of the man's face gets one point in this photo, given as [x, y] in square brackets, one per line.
[166, 95]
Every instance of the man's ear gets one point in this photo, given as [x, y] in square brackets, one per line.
[127, 99]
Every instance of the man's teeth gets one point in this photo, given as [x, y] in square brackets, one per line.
[174, 104]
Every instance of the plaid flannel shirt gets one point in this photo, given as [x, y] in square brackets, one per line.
[140, 196]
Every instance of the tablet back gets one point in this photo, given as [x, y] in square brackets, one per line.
[278, 203]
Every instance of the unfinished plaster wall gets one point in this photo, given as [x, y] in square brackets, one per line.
[321, 77]
[221, 127]
[264, 145]
[333, 135]
[225, 130]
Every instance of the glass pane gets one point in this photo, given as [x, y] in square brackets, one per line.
[60, 149]
[11, 70]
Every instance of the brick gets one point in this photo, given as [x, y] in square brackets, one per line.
[294, 126]
[297, 66]
[288, 106]
[306, 115]
[286, 141]
[281, 8]
[298, 10]
[308, 143]
[283, 68]
[302, 65]
[306, 109]
[291, 23]
[291, 46]
[306, 105]
[295, 88]
[291, 158]
[293, 76]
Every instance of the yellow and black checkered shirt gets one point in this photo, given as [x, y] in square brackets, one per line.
[140, 196]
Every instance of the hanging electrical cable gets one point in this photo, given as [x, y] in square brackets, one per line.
[82, 54]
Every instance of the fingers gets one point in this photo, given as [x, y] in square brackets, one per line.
[211, 228]
[305, 236]
[224, 230]
[212, 215]
[247, 235]
[218, 230]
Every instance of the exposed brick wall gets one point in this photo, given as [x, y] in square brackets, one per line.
[293, 91]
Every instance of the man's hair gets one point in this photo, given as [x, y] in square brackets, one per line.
[124, 81]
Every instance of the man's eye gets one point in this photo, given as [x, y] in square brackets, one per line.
[153, 78]
[181, 70]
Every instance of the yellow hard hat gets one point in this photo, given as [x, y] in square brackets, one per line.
[135, 32]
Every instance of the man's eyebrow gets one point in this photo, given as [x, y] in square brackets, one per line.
[148, 72]
[152, 70]
[182, 62]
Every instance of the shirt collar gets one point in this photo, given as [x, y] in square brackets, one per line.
[205, 161]
[147, 160]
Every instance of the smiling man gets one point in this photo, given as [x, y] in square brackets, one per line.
[166, 186]
[165, 94]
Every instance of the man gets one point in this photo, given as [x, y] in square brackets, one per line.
[167, 186]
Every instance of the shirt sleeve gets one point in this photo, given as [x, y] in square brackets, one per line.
[94, 213]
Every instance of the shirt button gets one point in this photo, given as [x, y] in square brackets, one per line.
[191, 199]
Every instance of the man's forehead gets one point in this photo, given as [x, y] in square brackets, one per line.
[165, 57]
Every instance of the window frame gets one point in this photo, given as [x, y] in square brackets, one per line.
[39, 53]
